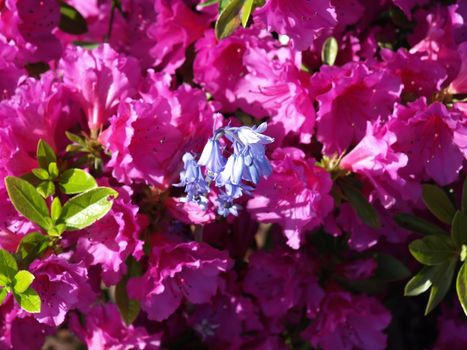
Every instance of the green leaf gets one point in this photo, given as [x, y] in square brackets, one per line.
[464, 197]
[75, 138]
[129, 308]
[208, 3]
[56, 209]
[22, 281]
[461, 287]
[329, 51]
[246, 11]
[53, 170]
[45, 154]
[229, 19]
[90, 45]
[433, 250]
[363, 208]
[27, 201]
[459, 229]
[416, 224]
[3, 294]
[40, 173]
[86, 208]
[46, 189]
[29, 300]
[8, 268]
[31, 247]
[441, 282]
[438, 203]
[71, 21]
[76, 181]
[421, 282]
[390, 269]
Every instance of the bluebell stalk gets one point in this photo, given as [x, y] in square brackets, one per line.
[246, 163]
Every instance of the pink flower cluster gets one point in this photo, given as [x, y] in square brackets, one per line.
[146, 81]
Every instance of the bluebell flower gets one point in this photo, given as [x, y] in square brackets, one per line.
[248, 135]
[192, 178]
[256, 163]
[212, 157]
[225, 205]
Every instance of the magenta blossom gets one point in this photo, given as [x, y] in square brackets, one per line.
[161, 128]
[349, 322]
[350, 96]
[104, 329]
[433, 137]
[100, 78]
[301, 20]
[177, 272]
[111, 240]
[62, 286]
[296, 195]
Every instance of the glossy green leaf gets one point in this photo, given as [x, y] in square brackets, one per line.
[329, 51]
[53, 170]
[229, 19]
[461, 287]
[129, 308]
[441, 282]
[390, 269]
[29, 300]
[437, 201]
[45, 154]
[433, 249]
[363, 208]
[71, 21]
[22, 281]
[421, 282]
[246, 11]
[416, 224]
[86, 208]
[56, 209]
[459, 229]
[40, 173]
[3, 294]
[46, 189]
[31, 247]
[8, 267]
[76, 181]
[27, 201]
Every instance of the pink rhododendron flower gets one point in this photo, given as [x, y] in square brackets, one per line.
[189, 212]
[101, 78]
[30, 24]
[459, 84]
[421, 77]
[348, 322]
[111, 240]
[374, 158]
[62, 286]
[301, 20]
[176, 28]
[39, 109]
[9, 71]
[177, 272]
[281, 281]
[105, 329]
[433, 138]
[222, 322]
[348, 97]
[296, 195]
[162, 128]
